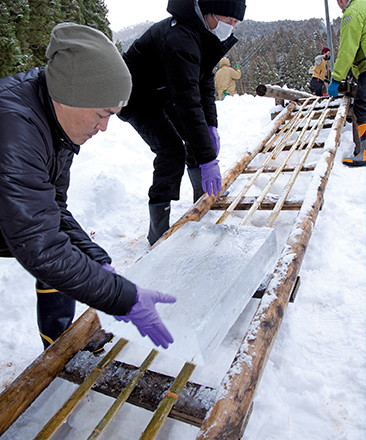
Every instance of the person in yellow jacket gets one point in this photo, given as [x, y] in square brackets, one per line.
[321, 72]
[352, 54]
[225, 78]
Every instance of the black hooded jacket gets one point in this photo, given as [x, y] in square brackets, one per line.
[172, 63]
[35, 224]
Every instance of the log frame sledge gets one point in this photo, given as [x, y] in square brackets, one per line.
[225, 412]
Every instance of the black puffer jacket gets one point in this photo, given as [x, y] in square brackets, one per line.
[172, 62]
[35, 225]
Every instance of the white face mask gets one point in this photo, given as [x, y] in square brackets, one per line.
[222, 30]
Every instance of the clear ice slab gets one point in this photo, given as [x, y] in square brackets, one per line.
[213, 270]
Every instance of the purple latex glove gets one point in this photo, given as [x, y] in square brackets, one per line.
[108, 268]
[211, 177]
[145, 317]
[215, 138]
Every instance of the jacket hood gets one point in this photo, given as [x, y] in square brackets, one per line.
[224, 62]
[186, 11]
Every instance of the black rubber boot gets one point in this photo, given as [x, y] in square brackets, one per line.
[195, 177]
[55, 312]
[159, 221]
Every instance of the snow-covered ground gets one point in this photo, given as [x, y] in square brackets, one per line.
[314, 384]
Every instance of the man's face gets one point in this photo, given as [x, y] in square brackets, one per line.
[342, 3]
[80, 124]
[212, 20]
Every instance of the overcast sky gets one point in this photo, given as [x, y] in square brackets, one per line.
[123, 13]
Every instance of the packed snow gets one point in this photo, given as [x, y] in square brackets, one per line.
[313, 386]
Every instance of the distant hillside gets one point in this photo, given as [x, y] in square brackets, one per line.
[128, 35]
[277, 52]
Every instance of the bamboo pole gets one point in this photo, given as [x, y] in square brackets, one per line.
[55, 422]
[288, 187]
[288, 128]
[226, 420]
[167, 403]
[274, 153]
[275, 176]
[204, 204]
[15, 399]
[318, 123]
[111, 414]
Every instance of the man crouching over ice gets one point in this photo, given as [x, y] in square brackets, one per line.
[45, 115]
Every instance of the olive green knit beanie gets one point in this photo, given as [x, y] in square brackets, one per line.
[85, 68]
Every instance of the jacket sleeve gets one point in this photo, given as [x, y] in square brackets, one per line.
[207, 92]
[70, 226]
[235, 74]
[30, 220]
[192, 98]
[351, 34]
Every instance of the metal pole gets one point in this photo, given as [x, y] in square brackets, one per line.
[329, 35]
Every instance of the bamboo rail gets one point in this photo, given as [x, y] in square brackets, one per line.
[55, 422]
[228, 417]
[111, 414]
[167, 403]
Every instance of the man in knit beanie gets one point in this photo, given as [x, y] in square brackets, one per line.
[45, 115]
[173, 108]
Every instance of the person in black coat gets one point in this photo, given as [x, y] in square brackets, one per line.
[172, 105]
[45, 115]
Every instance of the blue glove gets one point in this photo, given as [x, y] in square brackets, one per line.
[145, 317]
[108, 268]
[333, 88]
[211, 177]
[215, 139]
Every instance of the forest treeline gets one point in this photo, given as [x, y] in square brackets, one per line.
[25, 27]
[278, 52]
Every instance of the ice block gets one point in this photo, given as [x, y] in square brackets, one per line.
[213, 270]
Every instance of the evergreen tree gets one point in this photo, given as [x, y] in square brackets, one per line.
[43, 17]
[94, 14]
[14, 54]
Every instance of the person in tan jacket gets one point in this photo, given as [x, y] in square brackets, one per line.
[225, 78]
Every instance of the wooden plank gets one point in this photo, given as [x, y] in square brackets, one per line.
[246, 203]
[194, 401]
[229, 414]
[15, 399]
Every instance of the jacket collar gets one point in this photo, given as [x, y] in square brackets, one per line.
[60, 138]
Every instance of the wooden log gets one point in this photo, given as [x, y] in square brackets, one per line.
[191, 407]
[229, 414]
[247, 202]
[15, 399]
[278, 92]
[204, 204]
